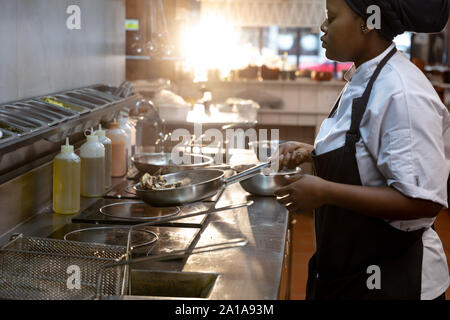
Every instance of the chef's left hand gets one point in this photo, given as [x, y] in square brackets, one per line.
[303, 193]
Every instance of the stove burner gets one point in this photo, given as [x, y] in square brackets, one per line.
[117, 236]
[137, 210]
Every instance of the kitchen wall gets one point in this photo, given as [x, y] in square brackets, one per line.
[40, 55]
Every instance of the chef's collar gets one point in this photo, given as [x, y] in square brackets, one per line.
[365, 71]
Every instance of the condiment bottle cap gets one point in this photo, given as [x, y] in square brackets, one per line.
[100, 132]
[92, 138]
[67, 148]
[114, 125]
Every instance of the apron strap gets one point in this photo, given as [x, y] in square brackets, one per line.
[360, 104]
[336, 105]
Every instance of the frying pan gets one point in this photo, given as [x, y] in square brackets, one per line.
[204, 183]
[266, 185]
[152, 162]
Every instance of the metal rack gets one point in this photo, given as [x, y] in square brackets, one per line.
[37, 269]
[33, 128]
[43, 116]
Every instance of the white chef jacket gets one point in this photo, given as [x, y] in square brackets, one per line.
[405, 143]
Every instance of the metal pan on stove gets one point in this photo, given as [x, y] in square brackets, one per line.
[153, 162]
[203, 183]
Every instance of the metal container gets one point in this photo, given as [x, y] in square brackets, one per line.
[6, 135]
[88, 97]
[16, 125]
[203, 184]
[41, 109]
[79, 102]
[26, 112]
[266, 185]
[21, 116]
[98, 94]
[152, 162]
[106, 89]
[66, 104]
[44, 106]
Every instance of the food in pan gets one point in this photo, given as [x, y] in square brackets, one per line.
[9, 128]
[55, 101]
[157, 182]
[4, 134]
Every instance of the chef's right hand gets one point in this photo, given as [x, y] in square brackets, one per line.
[292, 154]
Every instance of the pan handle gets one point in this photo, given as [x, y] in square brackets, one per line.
[246, 174]
[234, 243]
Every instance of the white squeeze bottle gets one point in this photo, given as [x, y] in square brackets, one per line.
[119, 149]
[66, 181]
[92, 155]
[126, 127]
[103, 139]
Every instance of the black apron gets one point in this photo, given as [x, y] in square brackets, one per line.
[348, 243]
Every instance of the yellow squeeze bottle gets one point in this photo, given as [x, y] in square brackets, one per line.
[66, 181]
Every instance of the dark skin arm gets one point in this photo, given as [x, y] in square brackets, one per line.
[306, 192]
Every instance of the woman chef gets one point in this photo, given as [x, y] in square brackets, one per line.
[381, 160]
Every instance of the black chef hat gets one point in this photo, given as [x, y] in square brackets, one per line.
[398, 16]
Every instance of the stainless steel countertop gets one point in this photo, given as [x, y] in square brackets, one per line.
[252, 272]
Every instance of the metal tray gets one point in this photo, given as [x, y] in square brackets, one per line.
[76, 101]
[65, 104]
[30, 113]
[41, 109]
[21, 127]
[105, 88]
[32, 122]
[27, 138]
[86, 97]
[99, 94]
[67, 113]
[6, 135]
